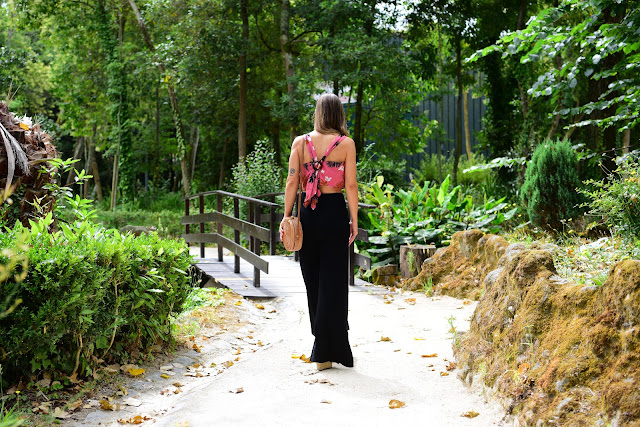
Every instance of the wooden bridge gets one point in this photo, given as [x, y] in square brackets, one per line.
[239, 269]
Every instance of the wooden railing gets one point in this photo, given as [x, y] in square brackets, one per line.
[256, 234]
[259, 212]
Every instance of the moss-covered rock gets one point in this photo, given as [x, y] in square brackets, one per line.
[459, 269]
[557, 352]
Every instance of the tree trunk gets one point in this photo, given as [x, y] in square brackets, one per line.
[222, 163]
[94, 165]
[87, 166]
[456, 159]
[76, 156]
[626, 141]
[467, 137]
[175, 108]
[358, 138]
[412, 257]
[287, 57]
[195, 141]
[275, 140]
[242, 65]
[116, 161]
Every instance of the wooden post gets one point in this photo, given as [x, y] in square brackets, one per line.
[250, 219]
[256, 250]
[219, 225]
[236, 235]
[186, 213]
[272, 226]
[201, 204]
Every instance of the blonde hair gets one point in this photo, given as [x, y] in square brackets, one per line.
[329, 115]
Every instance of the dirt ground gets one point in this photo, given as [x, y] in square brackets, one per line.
[247, 368]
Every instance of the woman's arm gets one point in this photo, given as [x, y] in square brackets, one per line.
[351, 187]
[293, 177]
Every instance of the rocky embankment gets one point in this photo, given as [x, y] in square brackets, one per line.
[552, 351]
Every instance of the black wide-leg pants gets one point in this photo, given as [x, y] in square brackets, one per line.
[324, 263]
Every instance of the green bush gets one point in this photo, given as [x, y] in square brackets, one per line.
[372, 165]
[166, 221]
[618, 201]
[428, 213]
[258, 173]
[89, 294]
[428, 170]
[550, 182]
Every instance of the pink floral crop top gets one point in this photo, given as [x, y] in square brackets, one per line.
[320, 172]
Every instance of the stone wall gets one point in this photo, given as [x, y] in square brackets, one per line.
[552, 351]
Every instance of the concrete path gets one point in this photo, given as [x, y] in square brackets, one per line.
[280, 390]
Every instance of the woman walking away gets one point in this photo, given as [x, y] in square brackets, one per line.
[328, 228]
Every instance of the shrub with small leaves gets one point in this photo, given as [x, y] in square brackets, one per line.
[258, 173]
[617, 200]
[549, 190]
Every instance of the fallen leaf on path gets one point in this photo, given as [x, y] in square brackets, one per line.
[385, 339]
[213, 365]
[165, 391]
[228, 364]
[295, 356]
[430, 355]
[237, 359]
[183, 424]
[305, 359]
[451, 366]
[325, 381]
[60, 414]
[325, 401]
[395, 404]
[260, 343]
[397, 350]
[237, 391]
[238, 303]
[418, 338]
[250, 337]
[138, 419]
[134, 372]
[197, 348]
[466, 302]
[272, 311]
[108, 406]
[387, 302]
[75, 405]
[260, 306]
[470, 414]
[177, 390]
[165, 376]
[238, 351]
[444, 374]
[411, 301]
[132, 402]
[429, 366]
[177, 384]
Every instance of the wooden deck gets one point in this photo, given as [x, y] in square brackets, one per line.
[284, 278]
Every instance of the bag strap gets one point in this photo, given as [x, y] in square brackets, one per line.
[300, 182]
